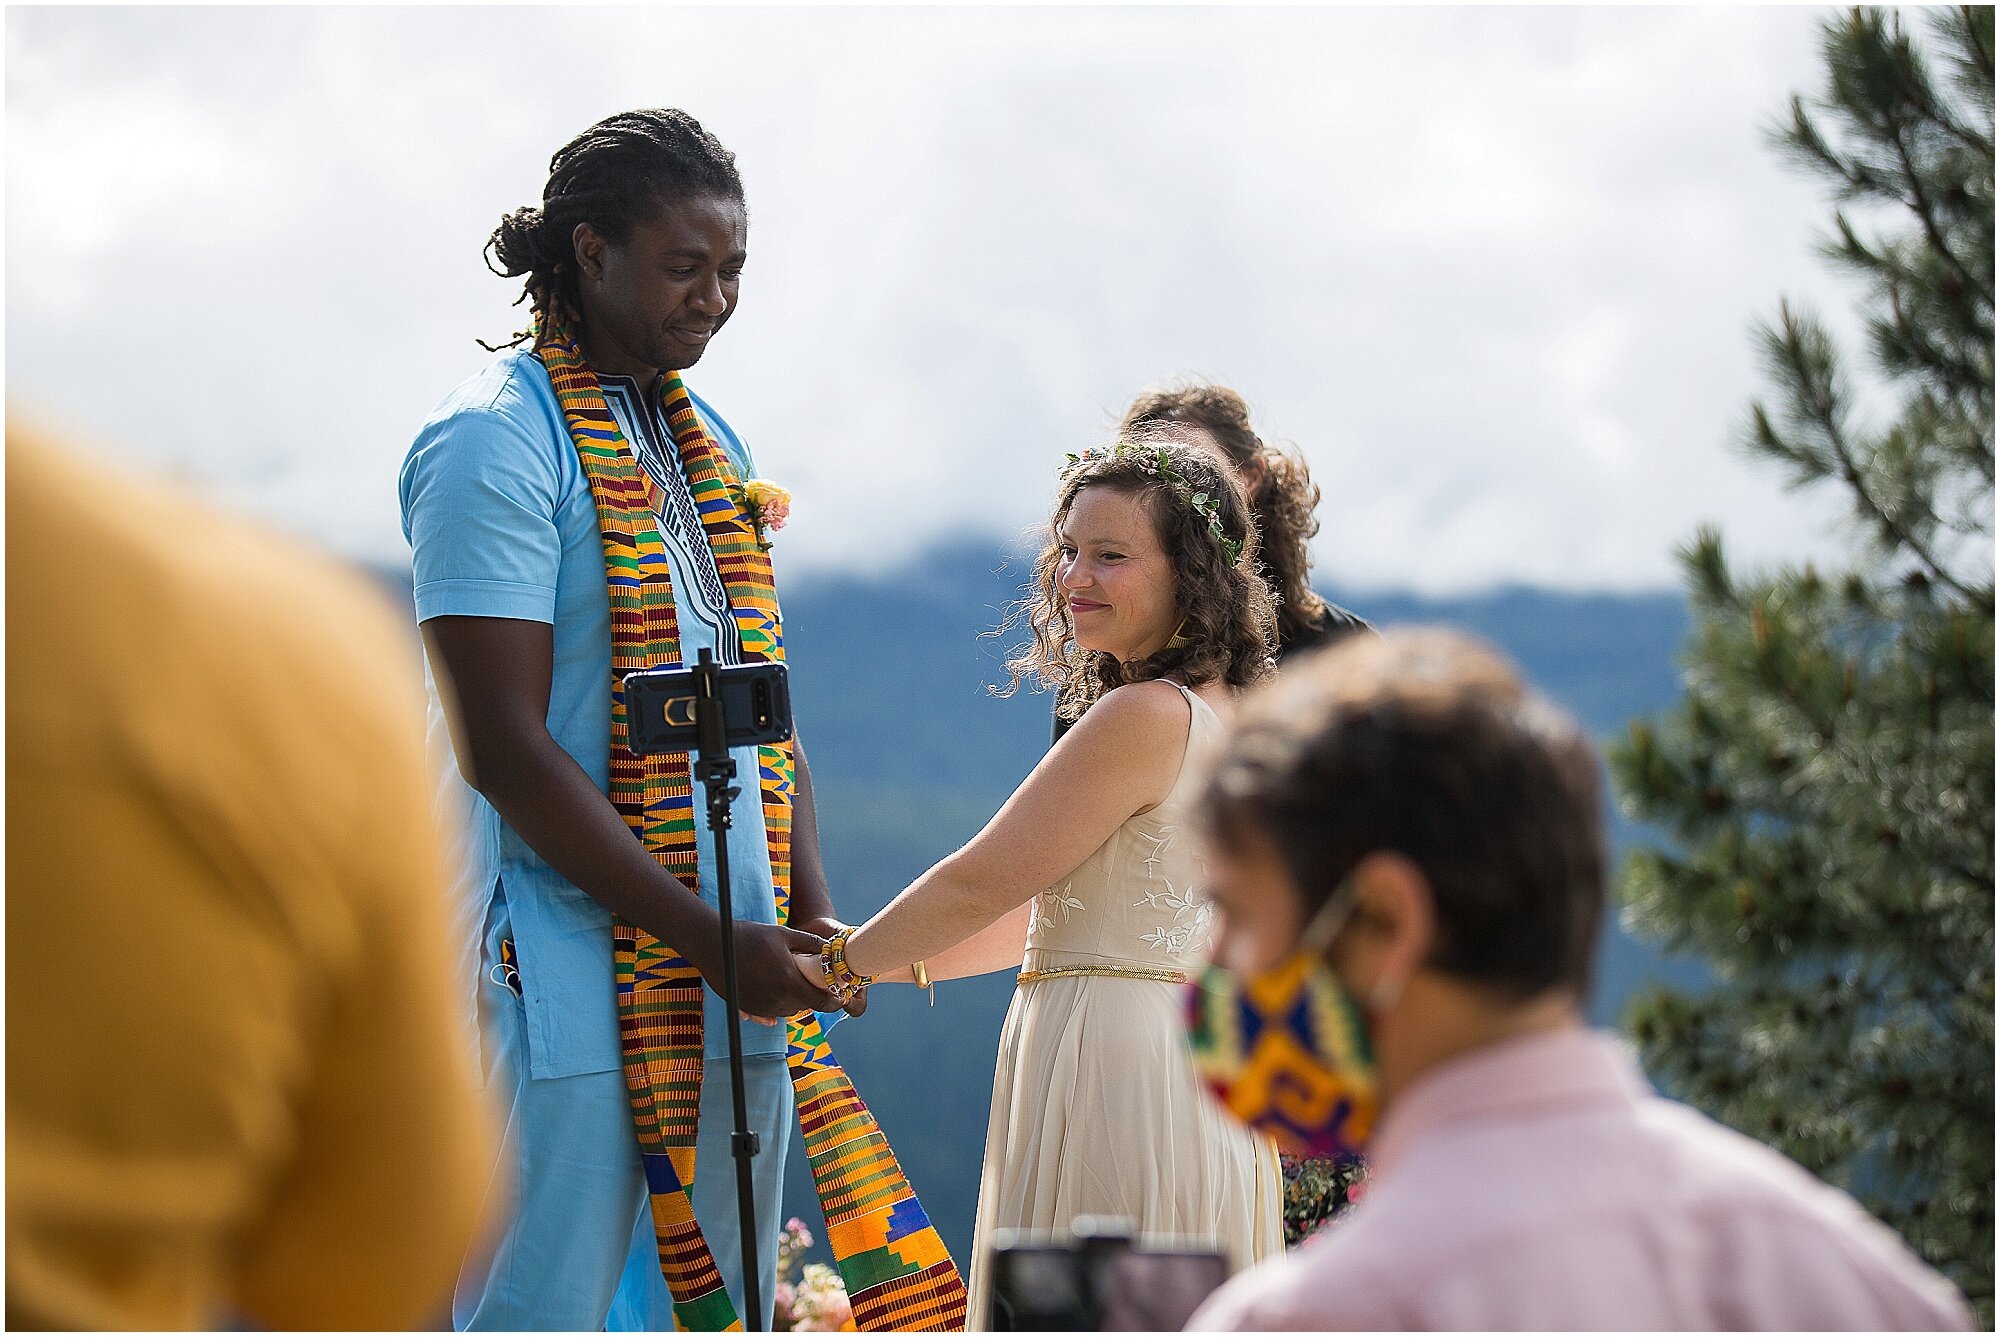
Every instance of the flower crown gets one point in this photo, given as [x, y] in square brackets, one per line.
[1156, 460]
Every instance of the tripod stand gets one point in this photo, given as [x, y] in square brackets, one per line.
[716, 770]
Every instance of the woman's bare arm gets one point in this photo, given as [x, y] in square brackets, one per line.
[1121, 758]
[998, 946]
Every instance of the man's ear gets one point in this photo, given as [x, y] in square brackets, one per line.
[589, 248]
[1395, 921]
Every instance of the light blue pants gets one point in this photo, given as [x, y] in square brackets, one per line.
[578, 1251]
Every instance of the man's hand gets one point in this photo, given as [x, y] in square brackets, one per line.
[769, 983]
[500, 670]
[826, 926]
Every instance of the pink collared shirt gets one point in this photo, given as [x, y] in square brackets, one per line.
[1541, 1184]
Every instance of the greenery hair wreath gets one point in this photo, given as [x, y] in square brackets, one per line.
[1156, 460]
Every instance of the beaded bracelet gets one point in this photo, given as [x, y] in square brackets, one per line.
[840, 977]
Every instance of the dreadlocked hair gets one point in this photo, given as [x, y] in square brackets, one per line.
[1284, 499]
[1227, 630]
[614, 176]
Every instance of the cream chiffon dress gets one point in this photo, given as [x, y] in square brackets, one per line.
[1096, 1107]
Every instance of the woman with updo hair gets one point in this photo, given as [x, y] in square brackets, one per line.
[1148, 617]
[1282, 495]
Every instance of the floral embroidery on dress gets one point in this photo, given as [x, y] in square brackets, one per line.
[1046, 904]
[1202, 928]
[1194, 919]
[1162, 846]
[1164, 897]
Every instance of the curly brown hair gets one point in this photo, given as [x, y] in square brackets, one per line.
[1284, 499]
[1229, 631]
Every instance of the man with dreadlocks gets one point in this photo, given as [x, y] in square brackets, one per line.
[575, 514]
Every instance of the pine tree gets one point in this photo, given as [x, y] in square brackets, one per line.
[1827, 781]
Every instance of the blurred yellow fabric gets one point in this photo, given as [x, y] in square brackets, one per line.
[234, 1079]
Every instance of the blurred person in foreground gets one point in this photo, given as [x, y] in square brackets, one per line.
[234, 1086]
[1408, 840]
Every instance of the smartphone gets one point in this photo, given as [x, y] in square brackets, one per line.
[659, 704]
[1098, 1283]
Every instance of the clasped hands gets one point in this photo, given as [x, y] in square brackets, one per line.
[778, 971]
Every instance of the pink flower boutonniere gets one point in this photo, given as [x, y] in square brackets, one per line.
[768, 507]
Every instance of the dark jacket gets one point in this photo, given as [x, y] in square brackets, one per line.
[1336, 625]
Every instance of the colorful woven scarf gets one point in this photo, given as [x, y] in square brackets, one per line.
[897, 1272]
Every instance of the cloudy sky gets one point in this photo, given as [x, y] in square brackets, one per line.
[1492, 269]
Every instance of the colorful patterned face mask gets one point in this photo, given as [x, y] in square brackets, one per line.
[1286, 1050]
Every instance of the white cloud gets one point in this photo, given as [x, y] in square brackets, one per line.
[1493, 269]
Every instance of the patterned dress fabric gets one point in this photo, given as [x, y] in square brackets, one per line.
[1097, 1110]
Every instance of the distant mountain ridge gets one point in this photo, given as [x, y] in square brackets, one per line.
[911, 754]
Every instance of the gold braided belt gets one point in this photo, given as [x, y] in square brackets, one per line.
[1112, 972]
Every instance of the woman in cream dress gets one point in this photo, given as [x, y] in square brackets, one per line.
[1149, 618]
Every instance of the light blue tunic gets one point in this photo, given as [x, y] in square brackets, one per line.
[501, 523]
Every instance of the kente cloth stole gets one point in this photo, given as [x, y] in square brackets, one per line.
[897, 1272]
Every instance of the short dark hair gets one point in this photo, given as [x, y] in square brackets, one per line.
[613, 176]
[1426, 743]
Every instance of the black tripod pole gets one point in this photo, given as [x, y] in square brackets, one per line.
[717, 769]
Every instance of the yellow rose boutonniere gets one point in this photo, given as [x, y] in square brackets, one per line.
[768, 506]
